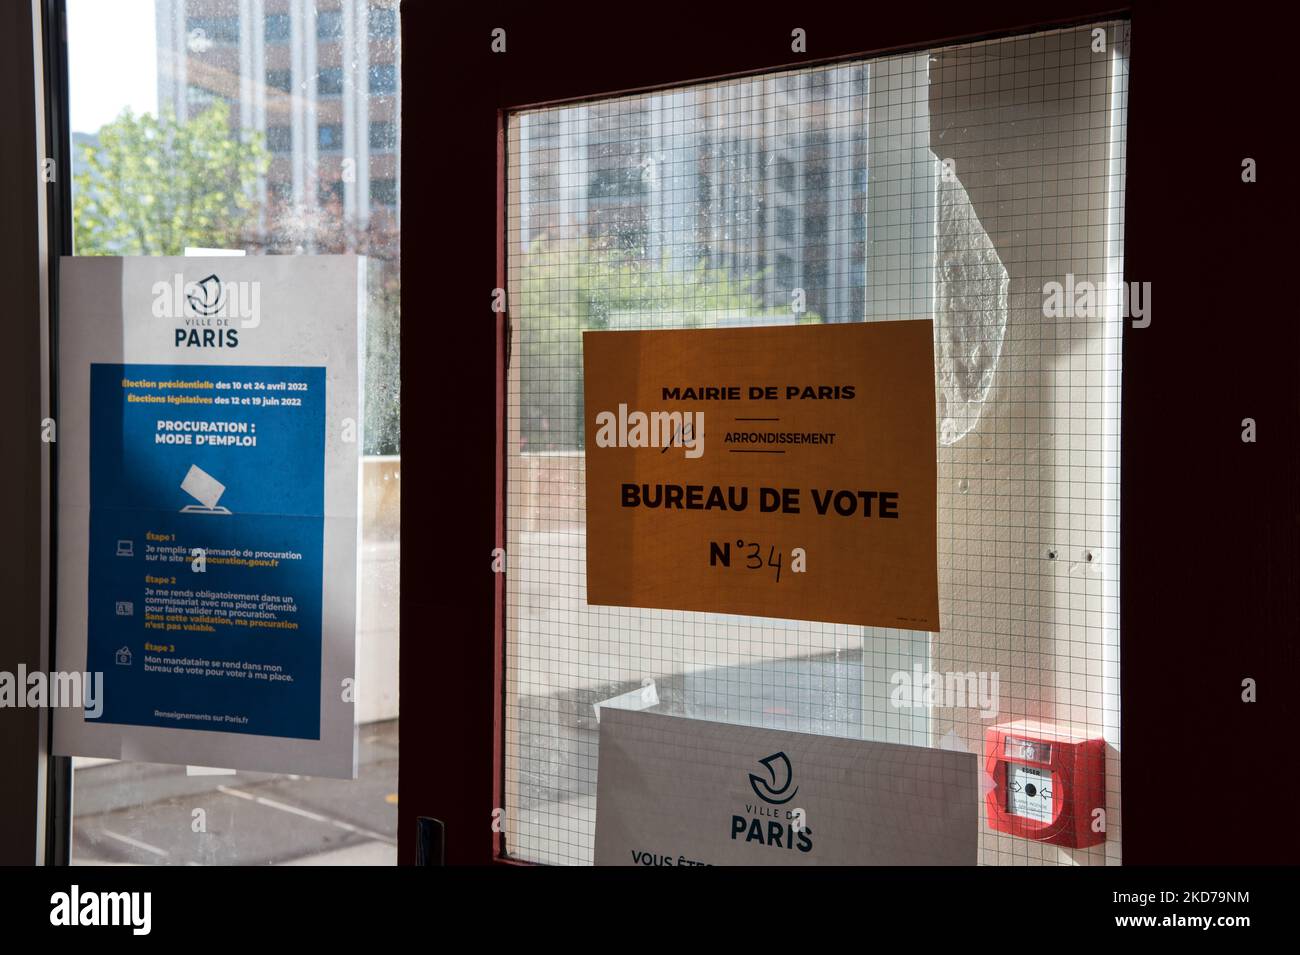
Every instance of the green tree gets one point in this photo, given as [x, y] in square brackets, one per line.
[154, 185]
[566, 287]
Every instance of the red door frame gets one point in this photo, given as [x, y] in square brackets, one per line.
[1201, 79]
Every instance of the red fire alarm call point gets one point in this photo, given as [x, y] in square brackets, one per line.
[1049, 783]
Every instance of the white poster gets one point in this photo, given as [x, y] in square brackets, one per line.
[208, 442]
[673, 791]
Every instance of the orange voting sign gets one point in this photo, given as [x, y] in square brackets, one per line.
[778, 471]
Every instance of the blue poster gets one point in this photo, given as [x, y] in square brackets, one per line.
[206, 540]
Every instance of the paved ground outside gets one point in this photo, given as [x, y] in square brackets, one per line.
[151, 814]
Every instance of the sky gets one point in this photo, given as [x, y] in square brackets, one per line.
[112, 61]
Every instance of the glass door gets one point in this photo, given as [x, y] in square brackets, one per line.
[970, 184]
[269, 127]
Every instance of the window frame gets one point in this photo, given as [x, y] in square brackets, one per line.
[452, 682]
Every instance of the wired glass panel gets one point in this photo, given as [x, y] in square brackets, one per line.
[980, 185]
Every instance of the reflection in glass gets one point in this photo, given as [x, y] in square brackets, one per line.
[268, 126]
